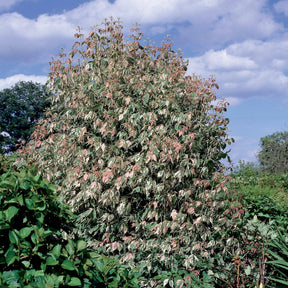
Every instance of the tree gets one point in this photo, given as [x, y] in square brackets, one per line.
[136, 146]
[273, 156]
[21, 107]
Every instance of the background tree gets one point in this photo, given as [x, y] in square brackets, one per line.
[21, 107]
[136, 146]
[273, 157]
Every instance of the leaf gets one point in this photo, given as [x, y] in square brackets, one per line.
[25, 232]
[11, 212]
[29, 204]
[25, 185]
[68, 265]
[7, 184]
[247, 270]
[13, 237]
[56, 251]
[280, 281]
[81, 245]
[26, 264]
[11, 277]
[51, 261]
[70, 248]
[10, 256]
[75, 282]
[99, 265]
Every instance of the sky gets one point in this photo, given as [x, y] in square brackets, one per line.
[243, 44]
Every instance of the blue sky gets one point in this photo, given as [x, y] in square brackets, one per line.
[244, 44]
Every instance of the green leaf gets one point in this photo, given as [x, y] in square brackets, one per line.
[280, 281]
[25, 185]
[11, 212]
[11, 278]
[81, 245]
[26, 264]
[29, 204]
[56, 251]
[99, 265]
[51, 261]
[10, 256]
[7, 184]
[70, 248]
[68, 265]
[25, 232]
[13, 237]
[75, 282]
[146, 99]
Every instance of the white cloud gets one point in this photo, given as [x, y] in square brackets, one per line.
[143, 11]
[27, 39]
[282, 7]
[200, 24]
[12, 80]
[6, 4]
[250, 68]
[221, 60]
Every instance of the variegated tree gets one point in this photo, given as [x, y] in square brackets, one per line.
[136, 146]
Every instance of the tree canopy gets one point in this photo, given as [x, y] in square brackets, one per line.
[273, 156]
[21, 107]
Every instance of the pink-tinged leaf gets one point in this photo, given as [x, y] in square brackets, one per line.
[174, 215]
[115, 246]
[106, 176]
[129, 174]
[177, 146]
[170, 158]
[191, 135]
[190, 211]
[93, 184]
[179, 283]
[86, 176]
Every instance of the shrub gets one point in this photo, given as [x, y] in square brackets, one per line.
[136, 146]
[34, 248]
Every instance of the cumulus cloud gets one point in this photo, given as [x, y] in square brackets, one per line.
[29, 40]
[197, 24]
[12, 80]
[6, 4]
[282, 7]
[250, 68]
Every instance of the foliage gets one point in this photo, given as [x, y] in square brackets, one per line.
[182, 278]
[21, 107]
[263, 196]
[273, 157]
[279, 253]
[34, 248]
[246, 169]
[136, 146]
[5, 163]
[271, 190]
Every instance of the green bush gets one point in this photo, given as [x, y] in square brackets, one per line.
[35, 250]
